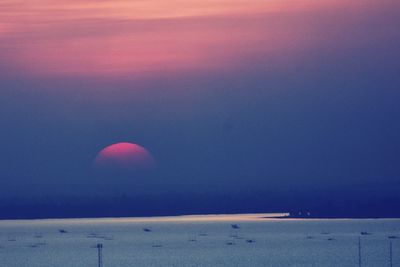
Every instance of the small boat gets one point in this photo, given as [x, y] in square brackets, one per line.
[235, 226]
[365, 233]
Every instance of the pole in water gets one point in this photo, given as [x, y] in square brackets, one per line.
[391, 254]
[100, 254]
[359, 252]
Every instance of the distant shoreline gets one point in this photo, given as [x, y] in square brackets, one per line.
[180, 217]
[205, 217]
[298, 206]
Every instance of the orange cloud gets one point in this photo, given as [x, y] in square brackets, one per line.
[136, 38]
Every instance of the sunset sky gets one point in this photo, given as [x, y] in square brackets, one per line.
[227, 96]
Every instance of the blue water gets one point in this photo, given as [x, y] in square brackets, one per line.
[198, 241]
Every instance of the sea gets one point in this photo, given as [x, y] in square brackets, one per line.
[206, 240]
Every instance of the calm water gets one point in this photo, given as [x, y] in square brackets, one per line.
[198, 241]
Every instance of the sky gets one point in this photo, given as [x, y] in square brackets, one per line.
[228, 96]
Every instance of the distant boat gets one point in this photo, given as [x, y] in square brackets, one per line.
[192, 238]
[36, 245]
[62, 231]
[146, 230]
[235, 226]
[365, 233]
[230, 242]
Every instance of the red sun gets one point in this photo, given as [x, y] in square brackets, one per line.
[125, 156]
